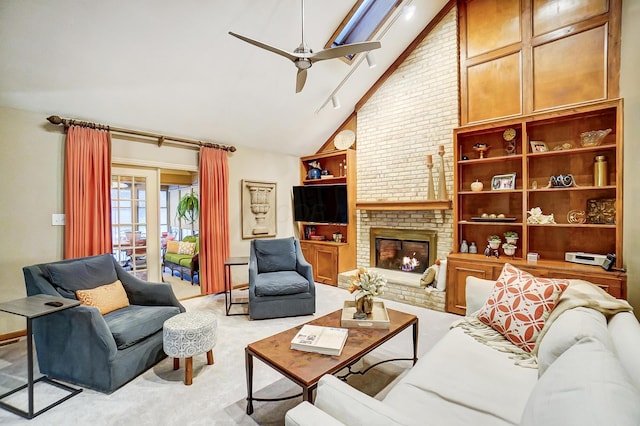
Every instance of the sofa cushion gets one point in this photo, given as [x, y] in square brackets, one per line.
[624, 330]
[276, 255]
[132, 324]
[585, 386]
[81, 274]
[280, 283]
[107, 298]
[567, 330]
[447, 387]
[520, 304]
[178, 259]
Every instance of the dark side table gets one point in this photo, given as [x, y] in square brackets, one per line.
[228, 285]
[34, 307]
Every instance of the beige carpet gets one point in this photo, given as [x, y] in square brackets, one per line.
[159, 396]
[183, 289]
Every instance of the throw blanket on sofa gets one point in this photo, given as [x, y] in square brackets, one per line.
[578, 293]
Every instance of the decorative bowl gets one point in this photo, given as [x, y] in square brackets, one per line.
[593, 137]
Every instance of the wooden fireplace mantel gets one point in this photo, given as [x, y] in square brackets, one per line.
[404, 205]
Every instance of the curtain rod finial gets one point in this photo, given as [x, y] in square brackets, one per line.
[54, 119]
[232, 148]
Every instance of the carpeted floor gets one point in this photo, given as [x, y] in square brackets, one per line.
[159, 396]
[183, 289]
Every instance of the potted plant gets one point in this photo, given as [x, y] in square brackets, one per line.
[189, 208]
[511, 237]
[494, 241]
[509, 249]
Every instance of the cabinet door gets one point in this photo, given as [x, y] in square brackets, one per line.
[457, 273]
[326, 265]
[307, 252]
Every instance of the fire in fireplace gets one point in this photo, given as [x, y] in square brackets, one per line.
[408, 256]
[405, 250]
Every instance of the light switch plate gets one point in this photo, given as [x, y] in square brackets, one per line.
[57, 219]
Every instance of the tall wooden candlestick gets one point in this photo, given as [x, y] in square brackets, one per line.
[442, 184]
[430, 191]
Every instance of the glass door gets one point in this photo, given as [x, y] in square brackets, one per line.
[134, 221]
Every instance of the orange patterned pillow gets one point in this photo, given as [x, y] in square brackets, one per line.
[520, 304]
[107, 298]
[173, 246]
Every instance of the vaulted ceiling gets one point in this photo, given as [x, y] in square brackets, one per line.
[171, 67]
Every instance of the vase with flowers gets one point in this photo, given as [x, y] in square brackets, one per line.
[364, 286]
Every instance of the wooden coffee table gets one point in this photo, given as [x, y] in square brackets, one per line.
[306, 368]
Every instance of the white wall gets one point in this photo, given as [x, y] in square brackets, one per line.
[630, 91]
[32, 165]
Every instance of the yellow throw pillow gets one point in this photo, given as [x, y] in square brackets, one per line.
[173, 246]
[107, 298]
[187, 248]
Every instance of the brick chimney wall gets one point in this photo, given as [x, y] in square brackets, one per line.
[410, 116]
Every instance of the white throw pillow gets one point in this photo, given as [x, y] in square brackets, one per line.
[585, 386]
[441, 279]
[567, 330]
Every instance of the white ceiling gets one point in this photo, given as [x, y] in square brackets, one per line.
[170, 67]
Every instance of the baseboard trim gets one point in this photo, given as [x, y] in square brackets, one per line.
[9, 338]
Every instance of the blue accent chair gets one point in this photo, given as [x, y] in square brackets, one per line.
[81, 346]
[280, 280]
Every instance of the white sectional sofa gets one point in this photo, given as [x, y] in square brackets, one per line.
[588, 374]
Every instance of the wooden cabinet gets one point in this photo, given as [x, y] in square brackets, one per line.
[326, 256]
[457, 273]
[462, 265]
[324, 259]
[588, 218]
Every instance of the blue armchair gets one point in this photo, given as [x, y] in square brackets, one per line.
[280, 280]
[82, 346]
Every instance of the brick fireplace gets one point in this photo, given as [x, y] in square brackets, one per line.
[399, 249]
[409, 116]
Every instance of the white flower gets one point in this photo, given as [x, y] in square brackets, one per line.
[367, 282]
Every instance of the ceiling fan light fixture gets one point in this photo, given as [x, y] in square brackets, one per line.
[335, 101]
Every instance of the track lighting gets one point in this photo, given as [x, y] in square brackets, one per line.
[371, 60]
[335, 101]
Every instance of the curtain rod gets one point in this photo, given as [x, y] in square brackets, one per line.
[54, 119]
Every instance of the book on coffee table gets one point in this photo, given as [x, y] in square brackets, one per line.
[322, 340]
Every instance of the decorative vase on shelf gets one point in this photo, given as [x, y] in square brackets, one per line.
[314, 173]
[473, 249]
[464, 248]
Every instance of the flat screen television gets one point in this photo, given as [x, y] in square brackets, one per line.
[320, 203]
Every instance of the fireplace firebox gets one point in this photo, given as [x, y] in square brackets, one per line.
[408, 250]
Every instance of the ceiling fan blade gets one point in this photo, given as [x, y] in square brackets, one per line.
[301, 78]
[288, 55]
[347, 49]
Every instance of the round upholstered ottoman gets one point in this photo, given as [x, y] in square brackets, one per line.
[188, 334]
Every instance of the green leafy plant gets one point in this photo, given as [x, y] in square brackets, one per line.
[494, 238]
[189, 208]
[511, 234]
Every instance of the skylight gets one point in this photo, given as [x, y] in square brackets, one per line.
[363, 22]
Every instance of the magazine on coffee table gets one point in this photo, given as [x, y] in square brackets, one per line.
[322, 340]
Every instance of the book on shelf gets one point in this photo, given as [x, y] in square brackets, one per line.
[322, 340]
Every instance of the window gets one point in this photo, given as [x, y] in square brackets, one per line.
[362, 23]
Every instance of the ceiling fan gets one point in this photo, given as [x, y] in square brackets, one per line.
[303, 57]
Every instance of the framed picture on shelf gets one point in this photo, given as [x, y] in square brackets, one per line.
[538, 146]
[507, 181]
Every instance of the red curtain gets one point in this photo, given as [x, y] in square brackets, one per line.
[214, 218]
[87, 191]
